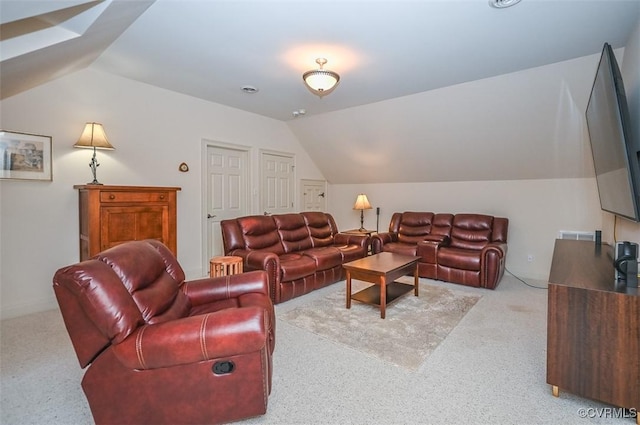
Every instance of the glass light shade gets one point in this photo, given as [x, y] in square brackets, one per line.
[321, 82]
[362, 203]
[93, 136]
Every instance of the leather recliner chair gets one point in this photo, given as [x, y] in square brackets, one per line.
[162, 350]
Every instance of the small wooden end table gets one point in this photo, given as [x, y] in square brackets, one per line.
[225, 266]
[381, 269]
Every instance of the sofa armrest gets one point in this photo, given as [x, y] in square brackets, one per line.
[428, 248]
[347, 239]
[262, 260]
[498, 249]
[379, 239]
[258, 260]
[204, 291]
[224, 333]
[492, 264]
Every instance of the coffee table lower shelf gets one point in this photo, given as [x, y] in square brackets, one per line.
[371, 294]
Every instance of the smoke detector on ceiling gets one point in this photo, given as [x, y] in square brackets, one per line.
[299, 112]
[501, 4]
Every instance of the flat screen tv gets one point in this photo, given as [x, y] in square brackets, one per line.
[615, 153]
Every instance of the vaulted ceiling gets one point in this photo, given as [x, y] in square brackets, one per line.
[382, 50]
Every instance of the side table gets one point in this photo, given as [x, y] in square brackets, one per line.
[359, 232]
[225, 266]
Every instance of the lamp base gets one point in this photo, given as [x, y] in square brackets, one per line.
[94, 183]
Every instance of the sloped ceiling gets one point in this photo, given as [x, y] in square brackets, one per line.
[394, 57]
[44, 40]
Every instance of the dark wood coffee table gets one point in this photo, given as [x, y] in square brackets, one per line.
[382, 269]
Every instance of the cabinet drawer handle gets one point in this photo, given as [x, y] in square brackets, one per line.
[161, 196]
[112, 196]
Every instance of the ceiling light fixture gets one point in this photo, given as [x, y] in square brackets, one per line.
[249, 89]
[501, 4]
[320, 81]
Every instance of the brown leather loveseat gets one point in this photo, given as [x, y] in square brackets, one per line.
[300, 252]
[469, 249]
[162, 350]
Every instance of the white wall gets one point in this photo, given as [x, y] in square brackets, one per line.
[153, 131]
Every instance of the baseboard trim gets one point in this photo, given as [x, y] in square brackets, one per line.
[23, 309]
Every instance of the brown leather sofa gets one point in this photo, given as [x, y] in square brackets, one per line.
[300, 252]
[160, 350]
[469, 249]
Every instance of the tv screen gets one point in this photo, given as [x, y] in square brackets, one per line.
[615, 155]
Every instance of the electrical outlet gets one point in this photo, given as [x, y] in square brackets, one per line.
[530, 258]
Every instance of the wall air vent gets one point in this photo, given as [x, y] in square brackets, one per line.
[576, 235]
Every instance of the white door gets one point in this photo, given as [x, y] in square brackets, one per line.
[226, 193]
[313, 195]
[277, 176]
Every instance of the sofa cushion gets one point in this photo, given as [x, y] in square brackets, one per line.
[260, 233]
[293, 231]
[295, 266]
[471, 231]
[442, 223]
[414, 226]
[325, 257]
[458, 258]
[321, 227]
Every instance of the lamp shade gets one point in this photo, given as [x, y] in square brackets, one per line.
[362, 203]
[93, 136]
[321, 82]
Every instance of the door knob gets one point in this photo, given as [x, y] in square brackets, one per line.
[321, 194]
[210, 216]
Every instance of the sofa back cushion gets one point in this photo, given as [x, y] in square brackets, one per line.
[442, 223]
[152, 276]
[293, 232]
[414, 226]
[104, 299]
[322, 227]
[471, 231]
[260, 233]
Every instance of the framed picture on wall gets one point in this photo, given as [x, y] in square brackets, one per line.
[25, 156]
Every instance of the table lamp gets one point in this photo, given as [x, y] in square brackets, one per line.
[93, 136]
[362, 203]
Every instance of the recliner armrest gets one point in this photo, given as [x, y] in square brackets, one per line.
[204, 291]
[379, 239]
[499, 248]
[258, 260]
[428, 248]
[347, 239]
[223, 333]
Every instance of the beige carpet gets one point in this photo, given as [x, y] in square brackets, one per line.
[412, 329]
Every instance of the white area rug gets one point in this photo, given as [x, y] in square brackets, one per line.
[413, 328]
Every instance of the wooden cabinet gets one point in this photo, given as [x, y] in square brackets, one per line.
[593, 328]
[110, 215]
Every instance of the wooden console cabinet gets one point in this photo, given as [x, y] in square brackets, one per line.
[593, 328]
[110, 215]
